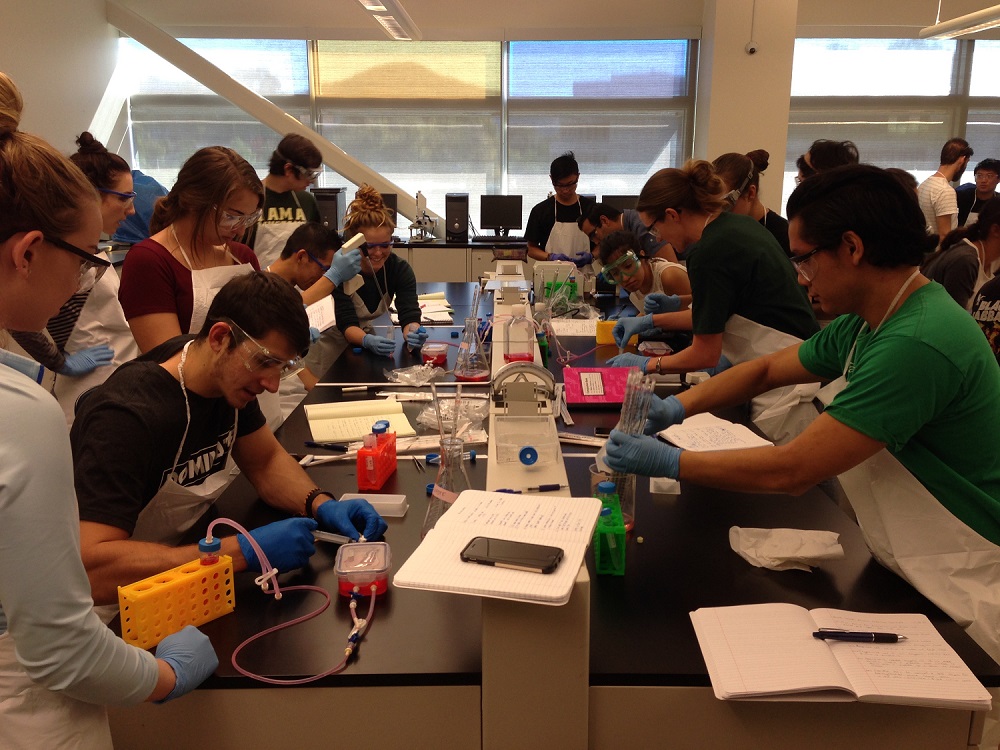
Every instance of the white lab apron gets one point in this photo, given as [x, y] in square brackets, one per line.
[272, 236]
[205, 284]
[656, 266]
[332, 341]
[175, 508]
[566, 237]
[32, 716]
[101, 321]
[783, 413]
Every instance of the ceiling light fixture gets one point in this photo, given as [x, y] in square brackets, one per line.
[988, 18]
[393, 19]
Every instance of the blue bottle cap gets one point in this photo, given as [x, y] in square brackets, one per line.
[472, 456]
[213, 546]
[606, 488]
[454, 334]
[431, 457]
[430, 489]
[379, 428]
[528, 455]
[606, 511]
[357, 350]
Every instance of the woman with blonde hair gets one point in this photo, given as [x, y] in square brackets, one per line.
[746, 300]
[170, 279]
[388, 279]
[58, 662]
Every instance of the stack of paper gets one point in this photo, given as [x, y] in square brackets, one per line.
[322, 314]
[564, 522]
[434, 308]
[705, 432]
[352, 420]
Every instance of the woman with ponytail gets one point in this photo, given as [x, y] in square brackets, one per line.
[88, 338]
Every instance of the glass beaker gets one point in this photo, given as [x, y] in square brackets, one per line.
[471, 364]
[452, 480]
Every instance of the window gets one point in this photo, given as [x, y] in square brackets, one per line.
[433, 116]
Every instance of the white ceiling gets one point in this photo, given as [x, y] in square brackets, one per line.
[471, 20]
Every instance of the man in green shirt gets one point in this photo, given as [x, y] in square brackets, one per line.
[912, 374]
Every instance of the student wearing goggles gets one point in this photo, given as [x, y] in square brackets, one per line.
[288, 204]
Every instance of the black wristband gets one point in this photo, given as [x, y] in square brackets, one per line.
[313, 494]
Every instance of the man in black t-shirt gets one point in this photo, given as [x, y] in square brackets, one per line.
[552, 231]
[153, 446]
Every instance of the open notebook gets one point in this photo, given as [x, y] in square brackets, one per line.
[706, 432]
[564, 522]
[768, 652]
[352, 420]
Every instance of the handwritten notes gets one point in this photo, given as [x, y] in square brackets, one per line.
[705, 432]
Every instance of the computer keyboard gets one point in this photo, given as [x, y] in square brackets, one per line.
[494, 239]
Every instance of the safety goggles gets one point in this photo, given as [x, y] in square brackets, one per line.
[258, 357]
[127, 198]
[623, 267]
[92, 268]
[318, 262]
[805, 264]
[304, 172]
[229, 220]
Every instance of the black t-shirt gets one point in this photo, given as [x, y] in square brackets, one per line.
[398, 282]
[544, 215]
[127, 431]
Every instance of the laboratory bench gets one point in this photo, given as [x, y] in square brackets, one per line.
[439, 260]
[443, 670]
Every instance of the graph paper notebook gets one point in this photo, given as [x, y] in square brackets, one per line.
[564, 522]
[768, 652]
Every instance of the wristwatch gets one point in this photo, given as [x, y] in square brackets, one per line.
[659, 360]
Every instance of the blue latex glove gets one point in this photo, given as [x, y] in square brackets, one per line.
[314, 334]
[87, 360]
[378, 344]
[190, 654]
[626, 328]
[415, 339]
[558, 256]
[724, 364]
[663, 412]
[657, 302]
[628, 359]
[346, 516]
[288, 544]
[641, 454]
[583, 259]
[344, 266]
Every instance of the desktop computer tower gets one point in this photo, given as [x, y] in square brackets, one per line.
[456, 217]
[332, 203]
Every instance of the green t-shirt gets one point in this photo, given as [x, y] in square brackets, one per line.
[738, 268]
[928, 386]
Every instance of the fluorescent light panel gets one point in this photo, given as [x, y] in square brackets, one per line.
[988, 18]
[393, 18]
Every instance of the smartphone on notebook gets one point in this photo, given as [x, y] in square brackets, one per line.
[503, 553]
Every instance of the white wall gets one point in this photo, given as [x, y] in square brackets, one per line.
[61, 54]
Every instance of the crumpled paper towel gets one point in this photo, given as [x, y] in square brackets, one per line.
[785, 549]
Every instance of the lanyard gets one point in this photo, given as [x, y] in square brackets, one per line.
[888, 312]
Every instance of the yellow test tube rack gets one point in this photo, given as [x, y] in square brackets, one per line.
[161, 605]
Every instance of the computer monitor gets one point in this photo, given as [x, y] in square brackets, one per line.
[621, 202]
[500, 213]
[389, 199]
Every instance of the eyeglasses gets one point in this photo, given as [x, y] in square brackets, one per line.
[127, 198]
[92, 268]
[228, 220]
[804, 264]
[565, 185]
[621, 268]
[379, 245]
[260, 358]
[301, 171]
[318, 262]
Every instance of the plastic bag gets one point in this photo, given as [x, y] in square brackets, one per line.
[473, 413]
[416, 375]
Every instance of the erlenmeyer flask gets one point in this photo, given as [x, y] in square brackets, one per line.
[471, 364]
[452, 480]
